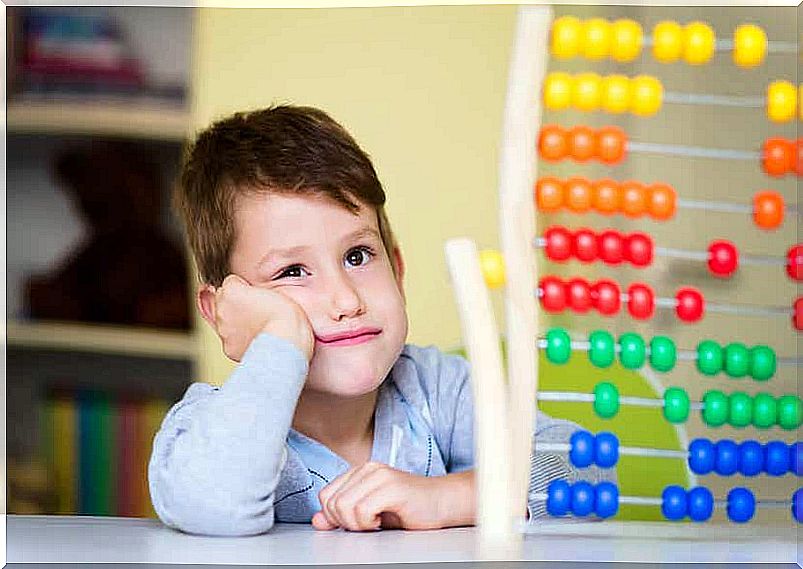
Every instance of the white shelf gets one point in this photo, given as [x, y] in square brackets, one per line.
[135, 119]
[102, 338]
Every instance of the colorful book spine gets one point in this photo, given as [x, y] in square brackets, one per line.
[127, 495]
[154, 412]
[65, 453]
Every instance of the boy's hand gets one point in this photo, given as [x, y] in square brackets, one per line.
[242, 311]
[374, 496]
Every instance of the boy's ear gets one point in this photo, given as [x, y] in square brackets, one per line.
[398, 263]
[205, 300]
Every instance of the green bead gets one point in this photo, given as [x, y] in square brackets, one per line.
[762, 363]
[632, 350]
[602, 350]
[606, 400]
[663, 354]
[558, 346]
[709, 357]
[676, 405]
[740, 409]
[765, 411]
[737, 360]
[715, 408]
[790, 412]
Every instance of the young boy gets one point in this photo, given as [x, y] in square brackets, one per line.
[329, 418]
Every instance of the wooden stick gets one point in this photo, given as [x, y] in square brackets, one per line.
[517, 225]
[491, 431]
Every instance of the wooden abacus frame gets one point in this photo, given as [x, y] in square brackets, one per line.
[505, 413]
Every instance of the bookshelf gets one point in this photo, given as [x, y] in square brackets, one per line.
[129, 119]
[100, 338]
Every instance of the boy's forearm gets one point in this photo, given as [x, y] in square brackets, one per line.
[457, 497]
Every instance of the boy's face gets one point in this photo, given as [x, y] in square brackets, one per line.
[334, 265]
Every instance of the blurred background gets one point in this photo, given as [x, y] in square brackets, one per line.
[102, 336]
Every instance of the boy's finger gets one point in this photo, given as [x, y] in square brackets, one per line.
[321, 522]
[325, 495]
[348, 498]
[376, 506]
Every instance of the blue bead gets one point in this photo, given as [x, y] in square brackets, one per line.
[558, 500]
[727, 461]
[582, 498]
[606, 449]
[582, 453]
[776, 458]
[751, 458]
[701, 503]
[702, 456]
[607, 499]
[673, 503]
[797, 505]
[797, 458]
[741, 505]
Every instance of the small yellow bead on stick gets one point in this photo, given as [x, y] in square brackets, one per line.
[493, 268]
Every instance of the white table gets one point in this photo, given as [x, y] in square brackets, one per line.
[78, 540]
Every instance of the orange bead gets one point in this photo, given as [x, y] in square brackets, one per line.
[605, 196]
[634, 199]
[799, 157]
[553, 143]
[549, 194]
[662, 201]
[582, 143]
[578, 194]
[768, 209]
[611, 144]
[777, 156]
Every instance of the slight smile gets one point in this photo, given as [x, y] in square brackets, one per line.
[349, 338]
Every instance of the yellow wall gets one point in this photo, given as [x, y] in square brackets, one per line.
[421, 89]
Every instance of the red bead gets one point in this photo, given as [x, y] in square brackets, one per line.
[585, 245]
[794, 262]
[723, 258]
[640, 301]
[606, 297]
[553, 294]
[578, 293]
[610, 247]
[690, 304]
[558, 243]
[797, 320]
[638, 249]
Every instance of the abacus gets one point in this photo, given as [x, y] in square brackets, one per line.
[504, 420]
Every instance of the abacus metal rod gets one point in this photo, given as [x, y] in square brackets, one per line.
[726, 207]
[651, 501]
[623, 450]
[726, 45]
[681, 354]
[589, 398]
[691, 151]
[750, 102]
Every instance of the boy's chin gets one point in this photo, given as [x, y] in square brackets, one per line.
[346, 379]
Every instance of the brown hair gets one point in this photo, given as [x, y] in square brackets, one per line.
[284, 149]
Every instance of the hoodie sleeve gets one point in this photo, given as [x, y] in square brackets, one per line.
[218, 455]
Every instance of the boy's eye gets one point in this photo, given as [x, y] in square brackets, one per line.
[292, 272]
[358, 256]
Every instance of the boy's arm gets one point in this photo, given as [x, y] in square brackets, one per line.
[217, 458]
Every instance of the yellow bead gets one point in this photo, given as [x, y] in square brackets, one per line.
[749, 45]
[626, 40]
[800, 101]
[587, 92]
[558, 91]
[667, 41]
[781, 101]
[647, 95]
[698, 40]
[616, 93]
[597, 38]
[493, 268]
[567, 37]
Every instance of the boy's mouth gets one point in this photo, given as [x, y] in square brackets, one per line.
[349, 338]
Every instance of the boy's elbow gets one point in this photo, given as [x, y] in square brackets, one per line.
[210, 512]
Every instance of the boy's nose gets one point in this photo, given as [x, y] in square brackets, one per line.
[345, 300]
